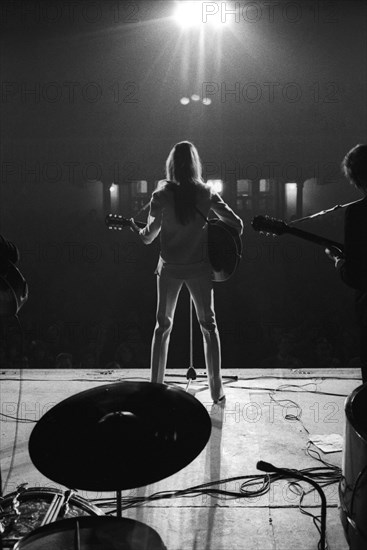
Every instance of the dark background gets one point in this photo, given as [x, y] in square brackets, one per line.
[90, 95]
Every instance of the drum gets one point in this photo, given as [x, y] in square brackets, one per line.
[353, 485]
[27, 509]
[93, 533]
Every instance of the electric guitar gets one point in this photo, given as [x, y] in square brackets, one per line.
[224, 245]
[272, 226]
[13, 289]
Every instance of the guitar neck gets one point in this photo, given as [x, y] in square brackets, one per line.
[313, 238]
[115, 221]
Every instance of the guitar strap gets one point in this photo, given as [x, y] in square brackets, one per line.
[201, 214]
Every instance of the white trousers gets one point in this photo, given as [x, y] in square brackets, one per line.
[202, 294]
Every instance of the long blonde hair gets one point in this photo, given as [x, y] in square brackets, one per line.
[183, 172]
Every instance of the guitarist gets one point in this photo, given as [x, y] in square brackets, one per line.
[353, 267]
[176, 210]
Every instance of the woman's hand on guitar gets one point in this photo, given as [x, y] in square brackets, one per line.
[133, 226]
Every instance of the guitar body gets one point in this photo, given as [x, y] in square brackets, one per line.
[13, 289]
[224, 249]
[224, 245]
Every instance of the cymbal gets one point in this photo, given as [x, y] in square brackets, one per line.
[119, 436]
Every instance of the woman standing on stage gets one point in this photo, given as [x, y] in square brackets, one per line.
[175, 209]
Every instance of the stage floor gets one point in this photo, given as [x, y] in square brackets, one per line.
[255, 423]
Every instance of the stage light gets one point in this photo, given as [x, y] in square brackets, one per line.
[184, 100]
[139, 187]
[217, 185]
[188, 13]
[114, 198]
[291, 190]
[264, 186]
[290, 199]
[244, 187]
[195, 97]
[194, 13]
[207, 101]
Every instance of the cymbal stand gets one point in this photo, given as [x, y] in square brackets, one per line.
[118, 503]
[191, 372]
[77, 536]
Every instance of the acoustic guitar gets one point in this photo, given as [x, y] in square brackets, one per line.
[224, 245]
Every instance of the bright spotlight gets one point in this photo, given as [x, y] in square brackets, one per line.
[184, 100]
[189, 13]
[216, 185]
[192, 13]
[195, 97]
[207, 101]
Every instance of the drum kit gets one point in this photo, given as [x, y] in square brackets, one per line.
[114, 437]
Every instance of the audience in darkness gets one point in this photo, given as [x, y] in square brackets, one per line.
[285, 357]
[301, 347]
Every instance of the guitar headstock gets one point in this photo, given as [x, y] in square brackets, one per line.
[269, 225]
[115, 221]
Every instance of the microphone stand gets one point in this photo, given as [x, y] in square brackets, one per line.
[267, 467]
[191, 372]
[119, 503]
